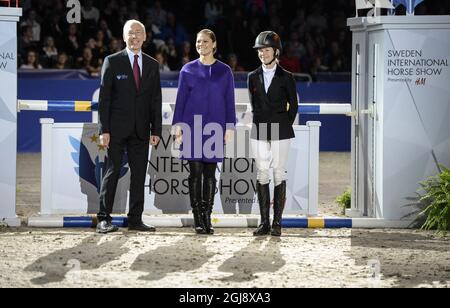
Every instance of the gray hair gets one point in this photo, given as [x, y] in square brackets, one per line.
[131, 22]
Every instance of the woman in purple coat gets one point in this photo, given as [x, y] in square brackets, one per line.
[203, 122]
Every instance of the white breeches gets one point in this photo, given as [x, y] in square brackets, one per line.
[271, 154]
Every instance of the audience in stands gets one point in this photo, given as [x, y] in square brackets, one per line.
[315, 33]
[32, 62]
[234, 64]
[62, 62]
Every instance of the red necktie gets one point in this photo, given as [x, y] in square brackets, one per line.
[136, 72]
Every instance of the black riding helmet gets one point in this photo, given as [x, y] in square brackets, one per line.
[268, 39]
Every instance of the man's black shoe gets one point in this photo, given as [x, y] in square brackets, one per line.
[141, 227]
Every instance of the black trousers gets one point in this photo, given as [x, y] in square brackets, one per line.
[137, 151]
[200, 169]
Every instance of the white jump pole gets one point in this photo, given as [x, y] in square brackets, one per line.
[8, 114]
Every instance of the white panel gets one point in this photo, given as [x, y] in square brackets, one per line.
[8, 115]
[73, 192]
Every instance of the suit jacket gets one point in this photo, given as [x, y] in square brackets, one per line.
[278, 106]
[122, 108]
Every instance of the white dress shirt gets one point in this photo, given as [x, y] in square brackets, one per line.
[268, 77]
[131, 56]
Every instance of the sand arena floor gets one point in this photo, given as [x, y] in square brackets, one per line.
[231, 258]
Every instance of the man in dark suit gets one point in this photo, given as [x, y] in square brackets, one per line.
[130, 119]
[273, 96]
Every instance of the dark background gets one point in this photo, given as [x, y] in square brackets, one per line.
[314, 33]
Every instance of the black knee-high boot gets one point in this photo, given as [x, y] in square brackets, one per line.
[195, 193]
[264, 208]
[209, 191]
[278, 207]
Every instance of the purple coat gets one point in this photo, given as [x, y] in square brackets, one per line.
[206, 91]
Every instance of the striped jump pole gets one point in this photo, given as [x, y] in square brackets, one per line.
[221, 221]
[187, 221]
[57, 105]
[87, 106]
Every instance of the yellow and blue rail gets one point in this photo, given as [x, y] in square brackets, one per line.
[88, 106]
[186, 221]
[57, 105]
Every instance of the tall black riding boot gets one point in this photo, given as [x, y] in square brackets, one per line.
[209, 191]
[195, 193]
[278, 207]
[264, 208]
